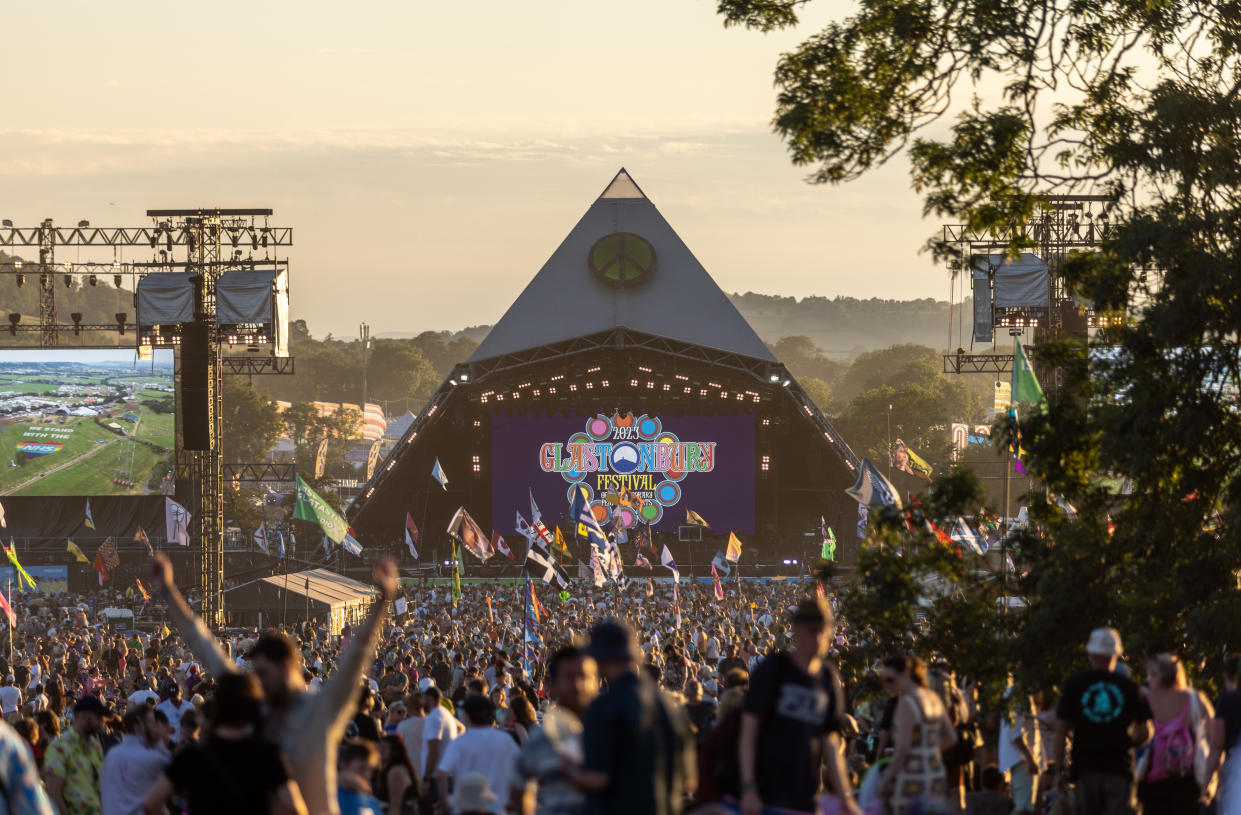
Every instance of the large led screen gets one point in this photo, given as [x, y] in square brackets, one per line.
[672, 462]
[86, 422]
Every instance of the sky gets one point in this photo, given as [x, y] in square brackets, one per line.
[430, 157]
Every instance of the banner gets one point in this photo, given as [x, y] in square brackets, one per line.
[372, 459]
[320, 459]
[176, 523]
[463, 528]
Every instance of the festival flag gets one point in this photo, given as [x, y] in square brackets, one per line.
[260, 538]
[863, 519]
[650, 588]
[142, 590]
[530, 627]
[733, 553]
[596, 568]
[536, 521]
[500, 545]
[872, 489]
[536, 559]
[668, 563]
[560, 547]
[829, 544]
[23, 577]
[280, 543]
[491, 617]
[615, 565]
[937, 533]
[437, 472]
[1025, 386]
[90, 519]
[582, 514]
[676, 597]
[3, 521]
[527, 531]
[694, 519]
[918, 465]
[643, 562]
[463, 528]
[715, 578]
[630, 499]
[967, 536]
[350, 543]
[99, 568]
[411, 535]
[327, 553]
[819, 591]
[8, 610]
[311, 507]
[176, 523]
[141, 537]
[110, 558]
[77, 553]
[456, 574]
[719, 562]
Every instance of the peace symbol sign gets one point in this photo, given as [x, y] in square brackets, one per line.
[622, 259]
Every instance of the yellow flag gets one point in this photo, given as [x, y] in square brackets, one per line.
[919, 465]
[77, 553]
[23, 576]
[694, 518]
[561, 547]
[734, 548]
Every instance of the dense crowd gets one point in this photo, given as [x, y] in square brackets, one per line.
[656, 698]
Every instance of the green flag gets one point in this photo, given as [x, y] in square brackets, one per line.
[1025, 384]
[829, 545]
[310, 507]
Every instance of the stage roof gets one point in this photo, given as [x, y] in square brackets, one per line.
[602, 276]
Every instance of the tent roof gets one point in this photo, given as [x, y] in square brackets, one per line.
[324, 586]
[668, 294]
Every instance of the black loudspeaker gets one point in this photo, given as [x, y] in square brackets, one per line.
[195, 428]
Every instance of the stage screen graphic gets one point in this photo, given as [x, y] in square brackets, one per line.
[671, 463]
[86, 422]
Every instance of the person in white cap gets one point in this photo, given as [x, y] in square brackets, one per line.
[1108, 718]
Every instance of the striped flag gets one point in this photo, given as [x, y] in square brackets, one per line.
[142, 590]
[260, 538]
[715, 578]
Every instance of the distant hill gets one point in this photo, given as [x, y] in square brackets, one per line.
[843, 327]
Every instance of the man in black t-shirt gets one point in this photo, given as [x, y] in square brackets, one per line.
[790, 725]
[1108, 717]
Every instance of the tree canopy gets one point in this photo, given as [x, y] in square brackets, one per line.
[997, 106]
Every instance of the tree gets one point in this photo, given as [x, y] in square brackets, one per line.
[252, 423]
[1138, 101]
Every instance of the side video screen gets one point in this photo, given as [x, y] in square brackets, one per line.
[86, 422]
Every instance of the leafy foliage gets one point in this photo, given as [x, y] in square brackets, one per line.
[1138, 101]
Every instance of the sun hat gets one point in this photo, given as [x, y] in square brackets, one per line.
[472, 794]
[1104, 642]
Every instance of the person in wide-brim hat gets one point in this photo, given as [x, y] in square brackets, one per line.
[472, 795]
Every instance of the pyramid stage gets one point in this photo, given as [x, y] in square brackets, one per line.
[622, 367]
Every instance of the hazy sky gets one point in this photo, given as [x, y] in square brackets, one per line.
[431, 156]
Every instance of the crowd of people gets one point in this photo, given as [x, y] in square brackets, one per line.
[654, 698]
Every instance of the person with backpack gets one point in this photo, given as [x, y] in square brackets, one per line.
[1168, 776]
[1108, 718]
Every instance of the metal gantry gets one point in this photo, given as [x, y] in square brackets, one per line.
[206, 235]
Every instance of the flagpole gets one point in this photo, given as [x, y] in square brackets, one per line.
[9, 593]
[426, 499]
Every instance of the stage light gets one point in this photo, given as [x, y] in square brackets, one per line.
[605, 383]
[447, 562]
[121, 317]
[14, 319]
[786, 383]
[452, 382]
[774, 377]
[465, 377]
[77, 323]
